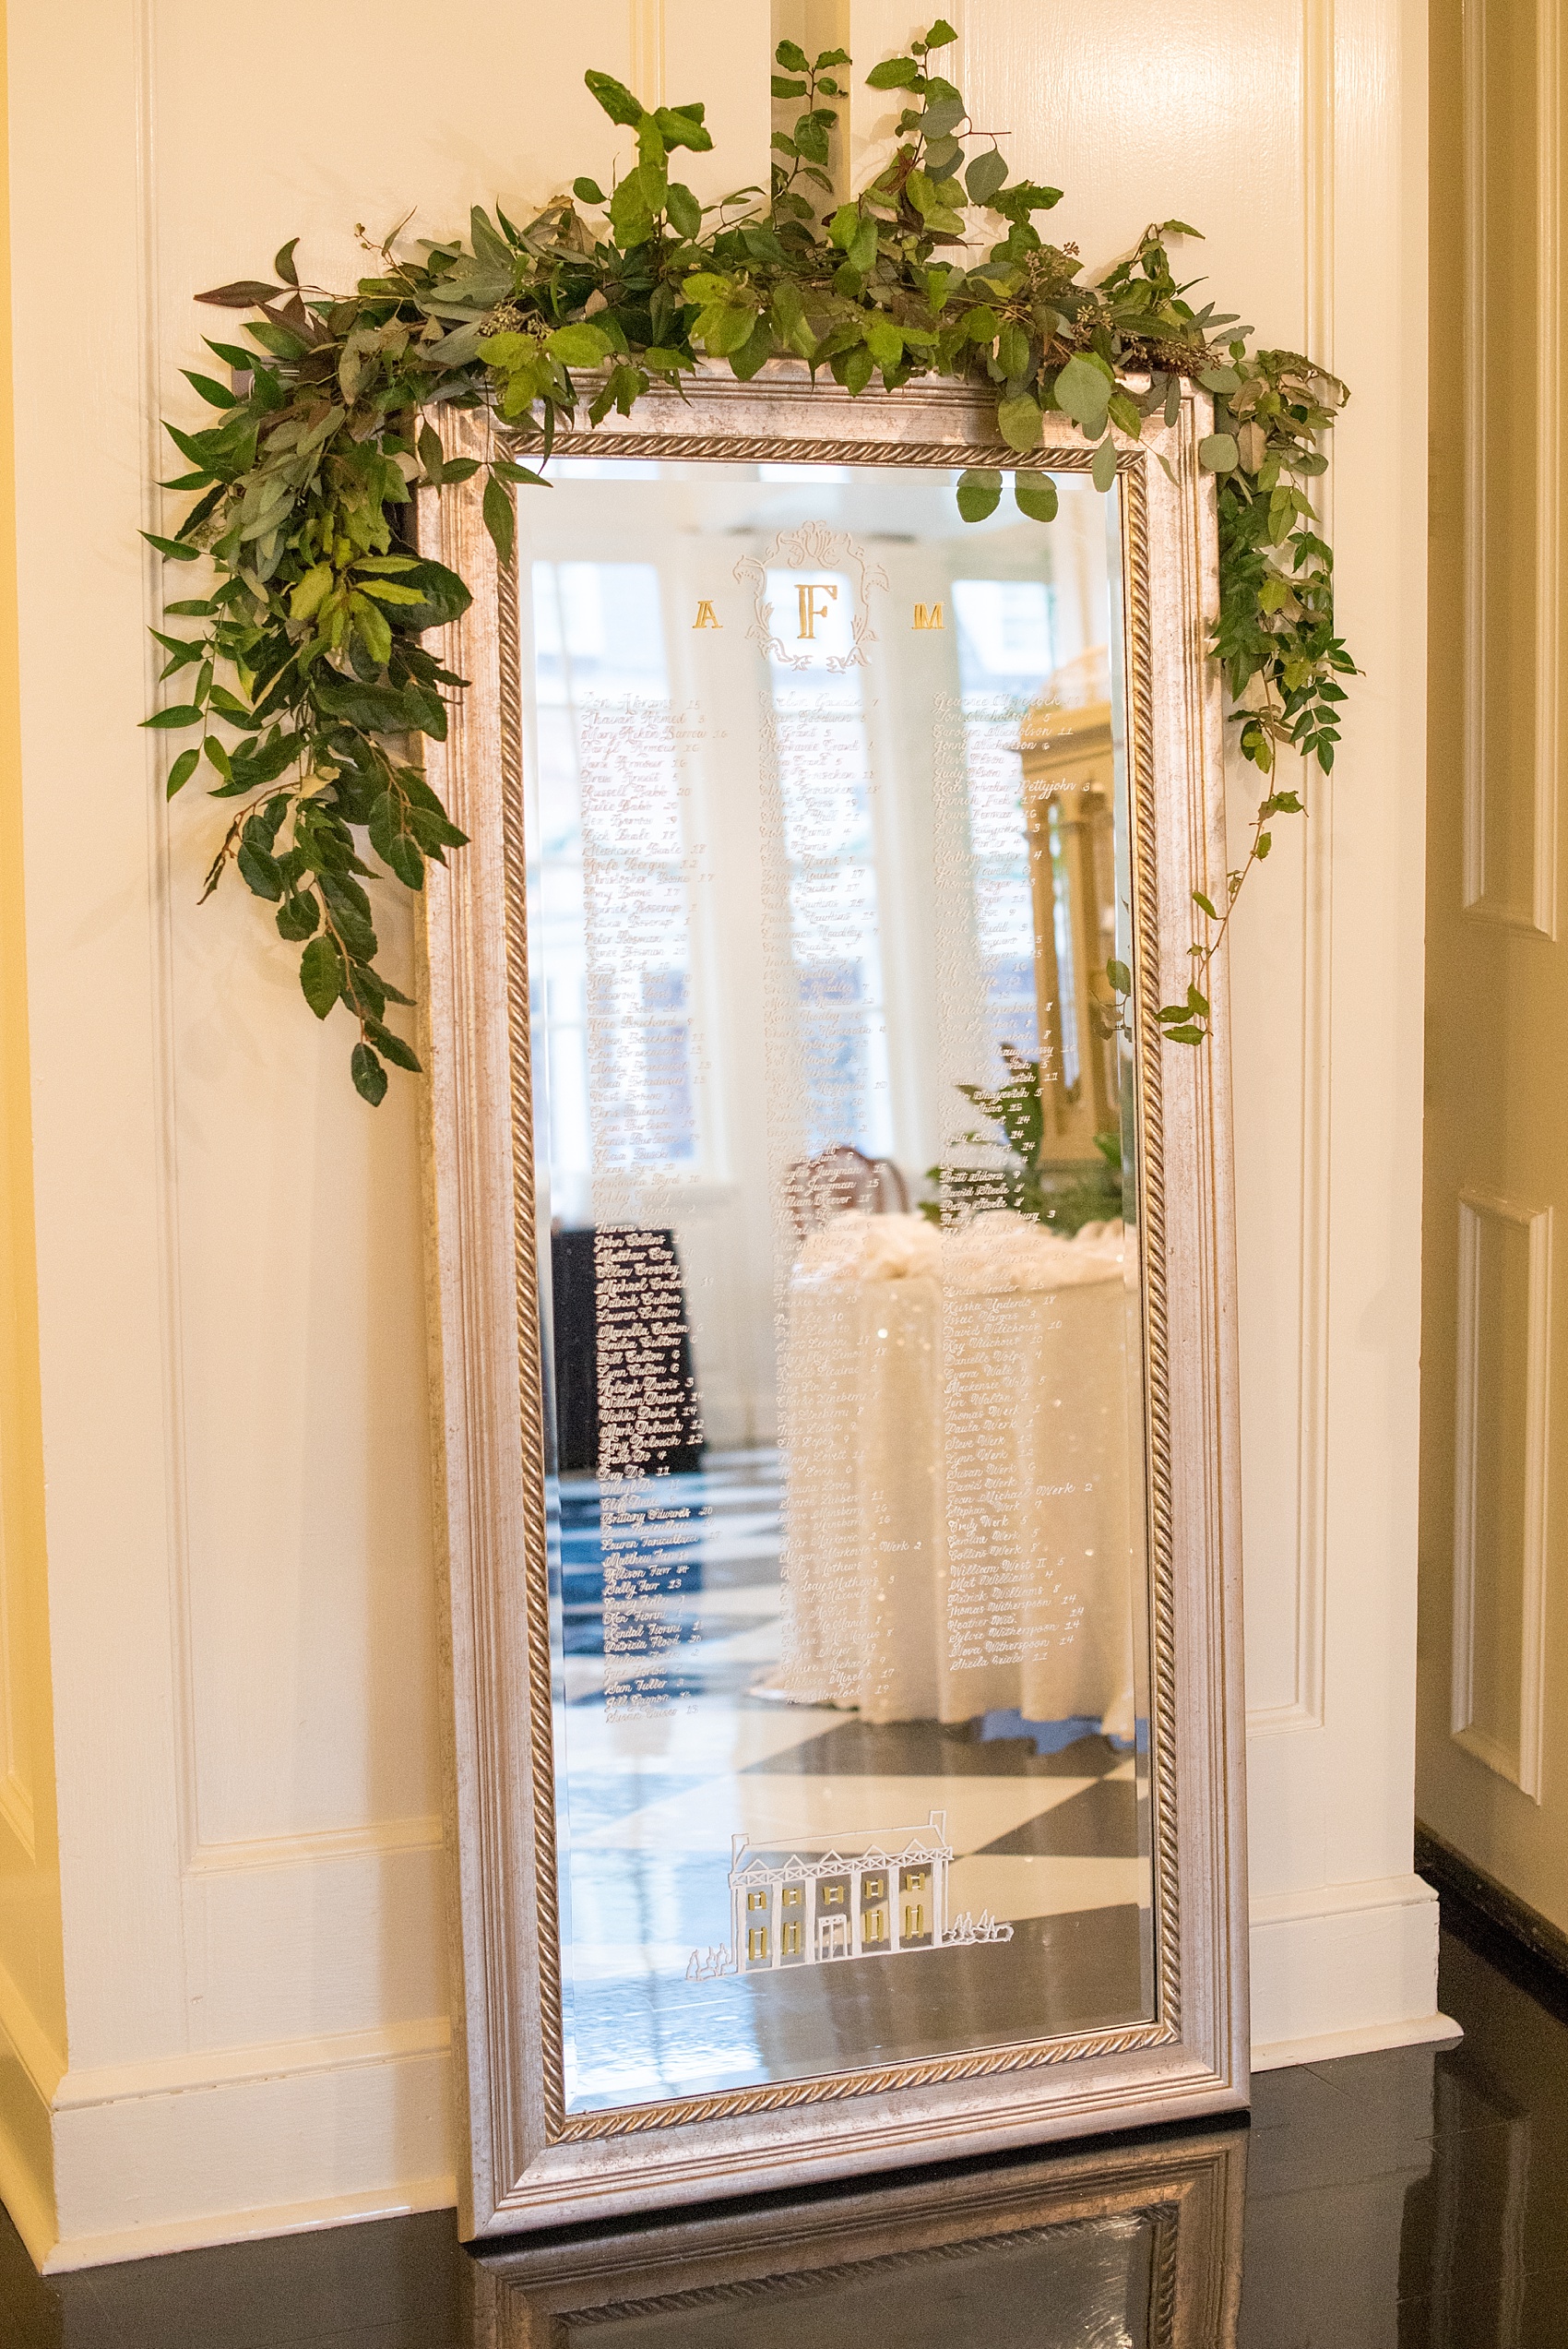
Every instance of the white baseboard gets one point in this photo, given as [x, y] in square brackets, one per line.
[237, 2142]
[1343, 1968]
[1427, 2031]
[152, 2241]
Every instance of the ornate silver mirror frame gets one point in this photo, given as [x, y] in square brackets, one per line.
[532, 2161]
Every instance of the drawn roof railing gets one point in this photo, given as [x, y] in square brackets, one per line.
[807, 1854]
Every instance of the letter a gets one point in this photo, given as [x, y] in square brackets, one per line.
[707, 617]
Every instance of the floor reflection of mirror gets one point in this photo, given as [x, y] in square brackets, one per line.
[1123, 2247]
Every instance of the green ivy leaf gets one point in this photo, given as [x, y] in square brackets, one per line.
[684, 211]
[1219, 453]
[184, 766]
[1104, 470]
[615, 98]
[979, 493]
[171, 548]
[884, 341]
[1020, 422]
[312, 591]
[370, 1077]
[858, 366]
[1035, 495]
[259, 872]
[1082, 392]
[297, 918]
[896, 73]
[403, 1055]
[321, 976]
[580, 346]
[499, 519]
[985, 175]
[631, 214]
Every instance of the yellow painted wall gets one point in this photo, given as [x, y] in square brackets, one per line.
[33, 2004]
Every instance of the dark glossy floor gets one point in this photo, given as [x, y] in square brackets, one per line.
[1417, 2198]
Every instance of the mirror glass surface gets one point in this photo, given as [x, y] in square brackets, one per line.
[836, 1148]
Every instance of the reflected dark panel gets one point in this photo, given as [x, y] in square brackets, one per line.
[1134, 2247]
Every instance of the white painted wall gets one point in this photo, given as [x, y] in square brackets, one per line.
[239, 1577]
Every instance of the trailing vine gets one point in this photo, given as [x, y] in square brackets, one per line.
[323, 434]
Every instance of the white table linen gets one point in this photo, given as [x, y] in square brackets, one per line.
[963, 1512]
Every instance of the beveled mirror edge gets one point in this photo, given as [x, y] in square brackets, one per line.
[522, 2171]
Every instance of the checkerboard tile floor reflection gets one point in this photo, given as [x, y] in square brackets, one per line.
[1048, 1824]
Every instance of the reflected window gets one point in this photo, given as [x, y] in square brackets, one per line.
[829, 846]
[1004, 642]
[613, 901]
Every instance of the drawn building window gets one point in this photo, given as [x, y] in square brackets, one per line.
[832, 1896]
[757, 1942]
[789, 1941]
[757, 1900]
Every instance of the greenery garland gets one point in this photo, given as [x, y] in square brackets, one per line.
[307, 479]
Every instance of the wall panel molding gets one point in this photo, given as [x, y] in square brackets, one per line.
[15, 1791]
[233, 2066]
[1475, 327]
[310, 1850]
[1303, 1709]
[1548, 459]
[1520, 1764]
[1482, 899]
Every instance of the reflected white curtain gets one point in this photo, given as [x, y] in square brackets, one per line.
[964, 1507]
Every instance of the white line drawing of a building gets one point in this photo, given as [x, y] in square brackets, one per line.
[809, 1900]
[862, 1895]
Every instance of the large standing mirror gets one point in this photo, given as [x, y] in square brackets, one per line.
[844, 1651]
